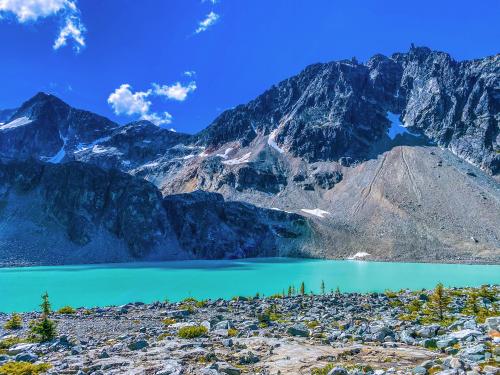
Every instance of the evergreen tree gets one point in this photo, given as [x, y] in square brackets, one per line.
[290, 291]
[45, 305]
[302, 289]
[44, 329]
[322, 287]
[438, 302]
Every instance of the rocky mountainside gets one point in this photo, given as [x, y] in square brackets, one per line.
[338, 110]
[77, 213]
[393, 159]
[48, 129]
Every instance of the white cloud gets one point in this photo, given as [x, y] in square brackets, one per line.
[126, 102]
[165, 118]
[73, 30]
[31, 10]
[210, 1]
[176, 91]
[209, 20]
[65, 10]
[189, 73]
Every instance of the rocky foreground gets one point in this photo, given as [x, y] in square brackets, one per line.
[390, 333]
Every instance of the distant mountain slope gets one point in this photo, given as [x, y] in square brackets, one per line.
[48, 129]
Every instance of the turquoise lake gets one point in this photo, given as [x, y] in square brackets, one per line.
[115, 284]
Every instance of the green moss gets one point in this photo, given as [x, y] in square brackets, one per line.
[191, 332]
[24, 368]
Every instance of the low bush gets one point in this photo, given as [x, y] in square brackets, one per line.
[9, 341]
[15, 322]
[168, 321]
[191, 332]
[66, 310]
[24, 368]
[232, 332]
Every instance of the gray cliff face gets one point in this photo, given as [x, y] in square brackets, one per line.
[48, 129]
[78, 213]
[457, 104]
[212, 228]
[339, 109]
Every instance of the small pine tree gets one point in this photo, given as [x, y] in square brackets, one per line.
[337, 291]
[290, 291]
[44, 329]
[15, 322]
[438, 303]
[302, 289]
[45, 305]
[322, 287]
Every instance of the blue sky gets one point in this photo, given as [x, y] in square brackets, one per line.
[107, 55]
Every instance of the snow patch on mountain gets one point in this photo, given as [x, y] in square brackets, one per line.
[85, 146]
[271, 141]
[244, 159]
[21, 121]
[59, 156]
[226, 153]
[358, 255]
[397, 128]
[315, 212]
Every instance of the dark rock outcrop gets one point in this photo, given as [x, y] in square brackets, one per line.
[79, 213]
[212, 228]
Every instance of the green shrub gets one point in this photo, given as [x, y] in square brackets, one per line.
[168, 321]
[323, 370]
[191, 332]
[9, 341]
[390, 294]
[24, 368]
[312, 324]
[15, 322]
[66, 310]
[415, 306]
[232, 332]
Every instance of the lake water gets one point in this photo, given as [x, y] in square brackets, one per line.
[115, 284]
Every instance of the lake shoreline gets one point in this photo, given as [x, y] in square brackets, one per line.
[470, 261]
[120, 283]
[391, 333]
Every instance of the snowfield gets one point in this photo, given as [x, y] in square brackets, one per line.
[21, 121]
[316, 212]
